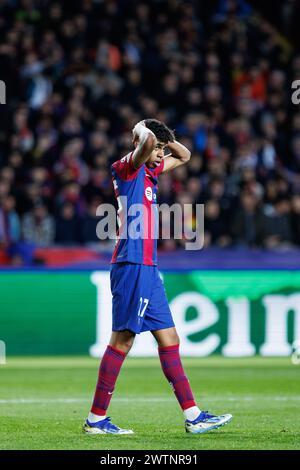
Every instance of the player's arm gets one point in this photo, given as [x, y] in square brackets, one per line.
[146, 144]
[178, 156]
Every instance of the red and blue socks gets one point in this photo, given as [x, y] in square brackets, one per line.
[174, 372]
[109, 369]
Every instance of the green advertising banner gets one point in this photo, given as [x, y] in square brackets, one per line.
[234, 313]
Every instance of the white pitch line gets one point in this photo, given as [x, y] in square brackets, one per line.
[42, 401]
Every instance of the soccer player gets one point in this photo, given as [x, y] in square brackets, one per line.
[139, 299]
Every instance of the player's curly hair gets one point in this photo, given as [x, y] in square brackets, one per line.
[161, 131]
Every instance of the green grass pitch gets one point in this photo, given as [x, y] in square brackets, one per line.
[43, 402]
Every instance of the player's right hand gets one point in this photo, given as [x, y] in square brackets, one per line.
[137, 129]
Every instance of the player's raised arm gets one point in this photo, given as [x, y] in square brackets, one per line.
[178, 156]
[146, 143]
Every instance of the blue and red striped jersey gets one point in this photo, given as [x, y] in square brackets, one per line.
[138, 225]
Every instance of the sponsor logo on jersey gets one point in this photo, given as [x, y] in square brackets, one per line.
[148, 193]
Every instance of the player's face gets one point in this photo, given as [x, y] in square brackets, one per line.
[157, 155]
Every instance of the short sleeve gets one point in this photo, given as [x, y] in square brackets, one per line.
[124, 168]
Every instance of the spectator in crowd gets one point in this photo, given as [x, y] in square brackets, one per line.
[10, 233]
[216, 232]
[38, 226]
[89, 223]
[295, 218]
[68, 226]
[277, 225]
[248, 221]
[10, 227]
[80, 76]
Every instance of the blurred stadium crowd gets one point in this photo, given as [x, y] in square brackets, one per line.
[80, 74]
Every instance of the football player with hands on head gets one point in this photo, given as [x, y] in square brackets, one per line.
[139, 300]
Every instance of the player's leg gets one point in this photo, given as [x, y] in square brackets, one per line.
[122, 340]
[130, 288]
[168, 350]
[158, 319]
[196, 421]
[110, 366]
[166, 337]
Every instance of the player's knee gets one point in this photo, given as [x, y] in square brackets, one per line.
[127, 345]
[168, 340]
[122, 342]
[173, 338]
[176, 339]
[123, 346]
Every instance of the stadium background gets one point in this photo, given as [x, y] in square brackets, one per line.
[79, 75]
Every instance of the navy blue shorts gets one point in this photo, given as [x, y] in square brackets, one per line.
[139, 299]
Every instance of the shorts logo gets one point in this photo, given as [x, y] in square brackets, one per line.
[148, 193]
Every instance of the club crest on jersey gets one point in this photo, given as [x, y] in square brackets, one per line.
[148, 193]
